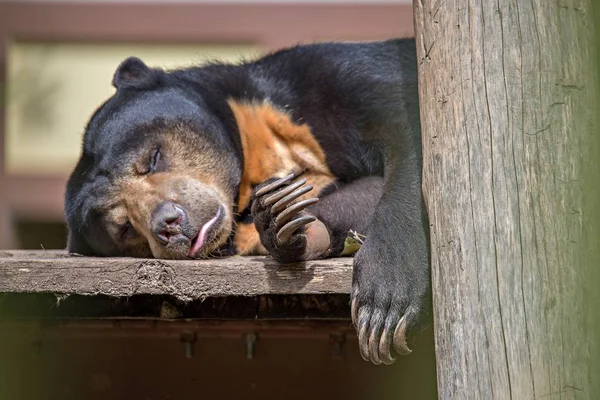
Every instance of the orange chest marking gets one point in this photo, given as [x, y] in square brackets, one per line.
[273, 146]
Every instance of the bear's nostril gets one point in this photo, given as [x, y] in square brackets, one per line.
[163, 237]
[173, 221]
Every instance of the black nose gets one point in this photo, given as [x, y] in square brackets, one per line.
[167, 223]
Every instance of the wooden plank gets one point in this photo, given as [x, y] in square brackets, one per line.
[56, 272]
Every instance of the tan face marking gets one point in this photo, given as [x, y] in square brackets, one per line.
[194, 176]
[134, 242]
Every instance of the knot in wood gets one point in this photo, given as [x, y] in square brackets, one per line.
[155, 273]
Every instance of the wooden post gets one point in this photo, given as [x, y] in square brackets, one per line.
[508, 97]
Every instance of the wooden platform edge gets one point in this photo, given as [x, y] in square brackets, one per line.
[58, 273]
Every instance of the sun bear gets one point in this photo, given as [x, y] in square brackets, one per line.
[282, 155]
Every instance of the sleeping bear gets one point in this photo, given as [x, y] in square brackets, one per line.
[283, 155]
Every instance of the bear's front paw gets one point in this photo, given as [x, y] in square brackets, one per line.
[286, 230]
[387, 301]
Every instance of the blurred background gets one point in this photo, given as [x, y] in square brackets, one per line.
[57, 61]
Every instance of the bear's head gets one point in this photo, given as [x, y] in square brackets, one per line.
[158, 173]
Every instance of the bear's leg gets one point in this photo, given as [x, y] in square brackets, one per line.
[312, 228]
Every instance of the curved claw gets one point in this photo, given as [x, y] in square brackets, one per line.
[274, 185]
[284, 192]
[289, 198]
[387, 359]
[288, 229]
[385, 344]
[363, 342]
[374, 338]
[400, 335]
[373, 350]
[287, 214]
[354, 312]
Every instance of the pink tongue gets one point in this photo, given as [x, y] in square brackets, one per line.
[202, 235]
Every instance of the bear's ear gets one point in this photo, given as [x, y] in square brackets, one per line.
[133, 73]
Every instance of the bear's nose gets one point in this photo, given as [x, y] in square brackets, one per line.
[166, 223]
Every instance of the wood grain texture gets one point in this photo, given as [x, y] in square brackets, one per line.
[56, 272]
[508, 102]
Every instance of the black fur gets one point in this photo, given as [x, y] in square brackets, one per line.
[342, 207]
[361, 103]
